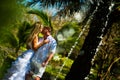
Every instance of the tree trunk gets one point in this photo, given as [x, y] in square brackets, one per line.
[81, 66]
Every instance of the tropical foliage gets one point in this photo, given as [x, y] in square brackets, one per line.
[17, 25]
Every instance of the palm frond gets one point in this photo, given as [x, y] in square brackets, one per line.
[55, 2]
[24, 31]
[9, 39]
[45, 19]
[13, 40]
[117, 41]
[63, 5]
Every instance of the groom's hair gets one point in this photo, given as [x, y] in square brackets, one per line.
[48, 28]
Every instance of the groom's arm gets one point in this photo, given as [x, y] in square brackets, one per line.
[36, 44]
[48, 59]
[51, 54]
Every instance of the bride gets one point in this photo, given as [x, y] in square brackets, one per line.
[22, 64]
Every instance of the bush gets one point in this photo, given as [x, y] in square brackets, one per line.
[54, 68]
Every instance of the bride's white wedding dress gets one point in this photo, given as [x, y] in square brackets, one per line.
[20, 66]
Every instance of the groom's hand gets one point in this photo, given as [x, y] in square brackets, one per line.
[44, 64]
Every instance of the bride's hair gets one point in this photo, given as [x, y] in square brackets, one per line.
[35, 31]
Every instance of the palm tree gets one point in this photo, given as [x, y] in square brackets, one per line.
[44, 18]
[98, 27]
[23, 32]
[10, 22]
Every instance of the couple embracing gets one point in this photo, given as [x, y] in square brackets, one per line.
[40, 52]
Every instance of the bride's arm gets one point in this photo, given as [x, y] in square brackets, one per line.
[36, 44]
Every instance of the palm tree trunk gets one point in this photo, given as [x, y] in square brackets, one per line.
[81, 66]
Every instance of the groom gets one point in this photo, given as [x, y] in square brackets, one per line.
[42, 56]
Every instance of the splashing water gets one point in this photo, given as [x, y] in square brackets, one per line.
[20, 66]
